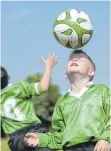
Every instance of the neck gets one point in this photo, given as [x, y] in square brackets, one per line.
[77, 83]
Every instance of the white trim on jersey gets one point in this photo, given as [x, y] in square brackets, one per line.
[86, 87]
[6, 87]
[36, 87]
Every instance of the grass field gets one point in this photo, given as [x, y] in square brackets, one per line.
[4, 145]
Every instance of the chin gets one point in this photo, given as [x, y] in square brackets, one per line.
[73, 71]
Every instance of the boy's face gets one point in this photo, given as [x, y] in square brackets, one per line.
[79, 63]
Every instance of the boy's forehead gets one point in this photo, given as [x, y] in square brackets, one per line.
[78, 55]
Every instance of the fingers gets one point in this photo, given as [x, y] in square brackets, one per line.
[28, 135]
[43, 60]
[49, 55]
[28, 142]
[109, 147]
[53, 55]
[106, 149]
[51, 60]
[96, 147]
[54, 58]
[101, 147]
[31, 140]
[26, 138]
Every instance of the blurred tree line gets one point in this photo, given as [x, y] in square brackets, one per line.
[44, 104]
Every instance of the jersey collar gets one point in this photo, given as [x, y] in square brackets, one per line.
[6, 87]
[82, 91]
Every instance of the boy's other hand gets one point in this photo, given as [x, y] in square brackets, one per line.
[31, 140]
[102, 145]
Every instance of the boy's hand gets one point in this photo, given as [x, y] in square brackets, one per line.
[102, 145]
[31, 140]
[50, 61]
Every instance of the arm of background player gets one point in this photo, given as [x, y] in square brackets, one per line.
[31, 89]
[48, 63]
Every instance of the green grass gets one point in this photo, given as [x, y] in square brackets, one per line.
[4, 144]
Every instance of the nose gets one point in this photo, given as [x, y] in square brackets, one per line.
[75, 59]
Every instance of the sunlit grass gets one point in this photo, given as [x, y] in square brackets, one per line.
[4, 144]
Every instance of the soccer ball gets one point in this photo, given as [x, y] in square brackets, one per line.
[73, 29]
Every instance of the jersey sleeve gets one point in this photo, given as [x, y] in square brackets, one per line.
[54, 139]
[106, 106]
[30, 89]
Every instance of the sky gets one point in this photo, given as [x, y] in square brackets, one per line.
[27, 35]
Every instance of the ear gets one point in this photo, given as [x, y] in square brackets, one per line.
[91, 72]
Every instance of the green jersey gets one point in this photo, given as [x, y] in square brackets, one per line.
[79, 119]
[17, 110]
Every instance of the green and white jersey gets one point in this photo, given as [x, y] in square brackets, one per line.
[17, 110]
[79, 118]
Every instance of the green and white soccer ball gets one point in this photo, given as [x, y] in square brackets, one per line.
[73, 29]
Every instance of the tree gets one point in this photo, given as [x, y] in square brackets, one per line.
[44, 104]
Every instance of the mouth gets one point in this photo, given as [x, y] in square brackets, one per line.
[74, 64]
